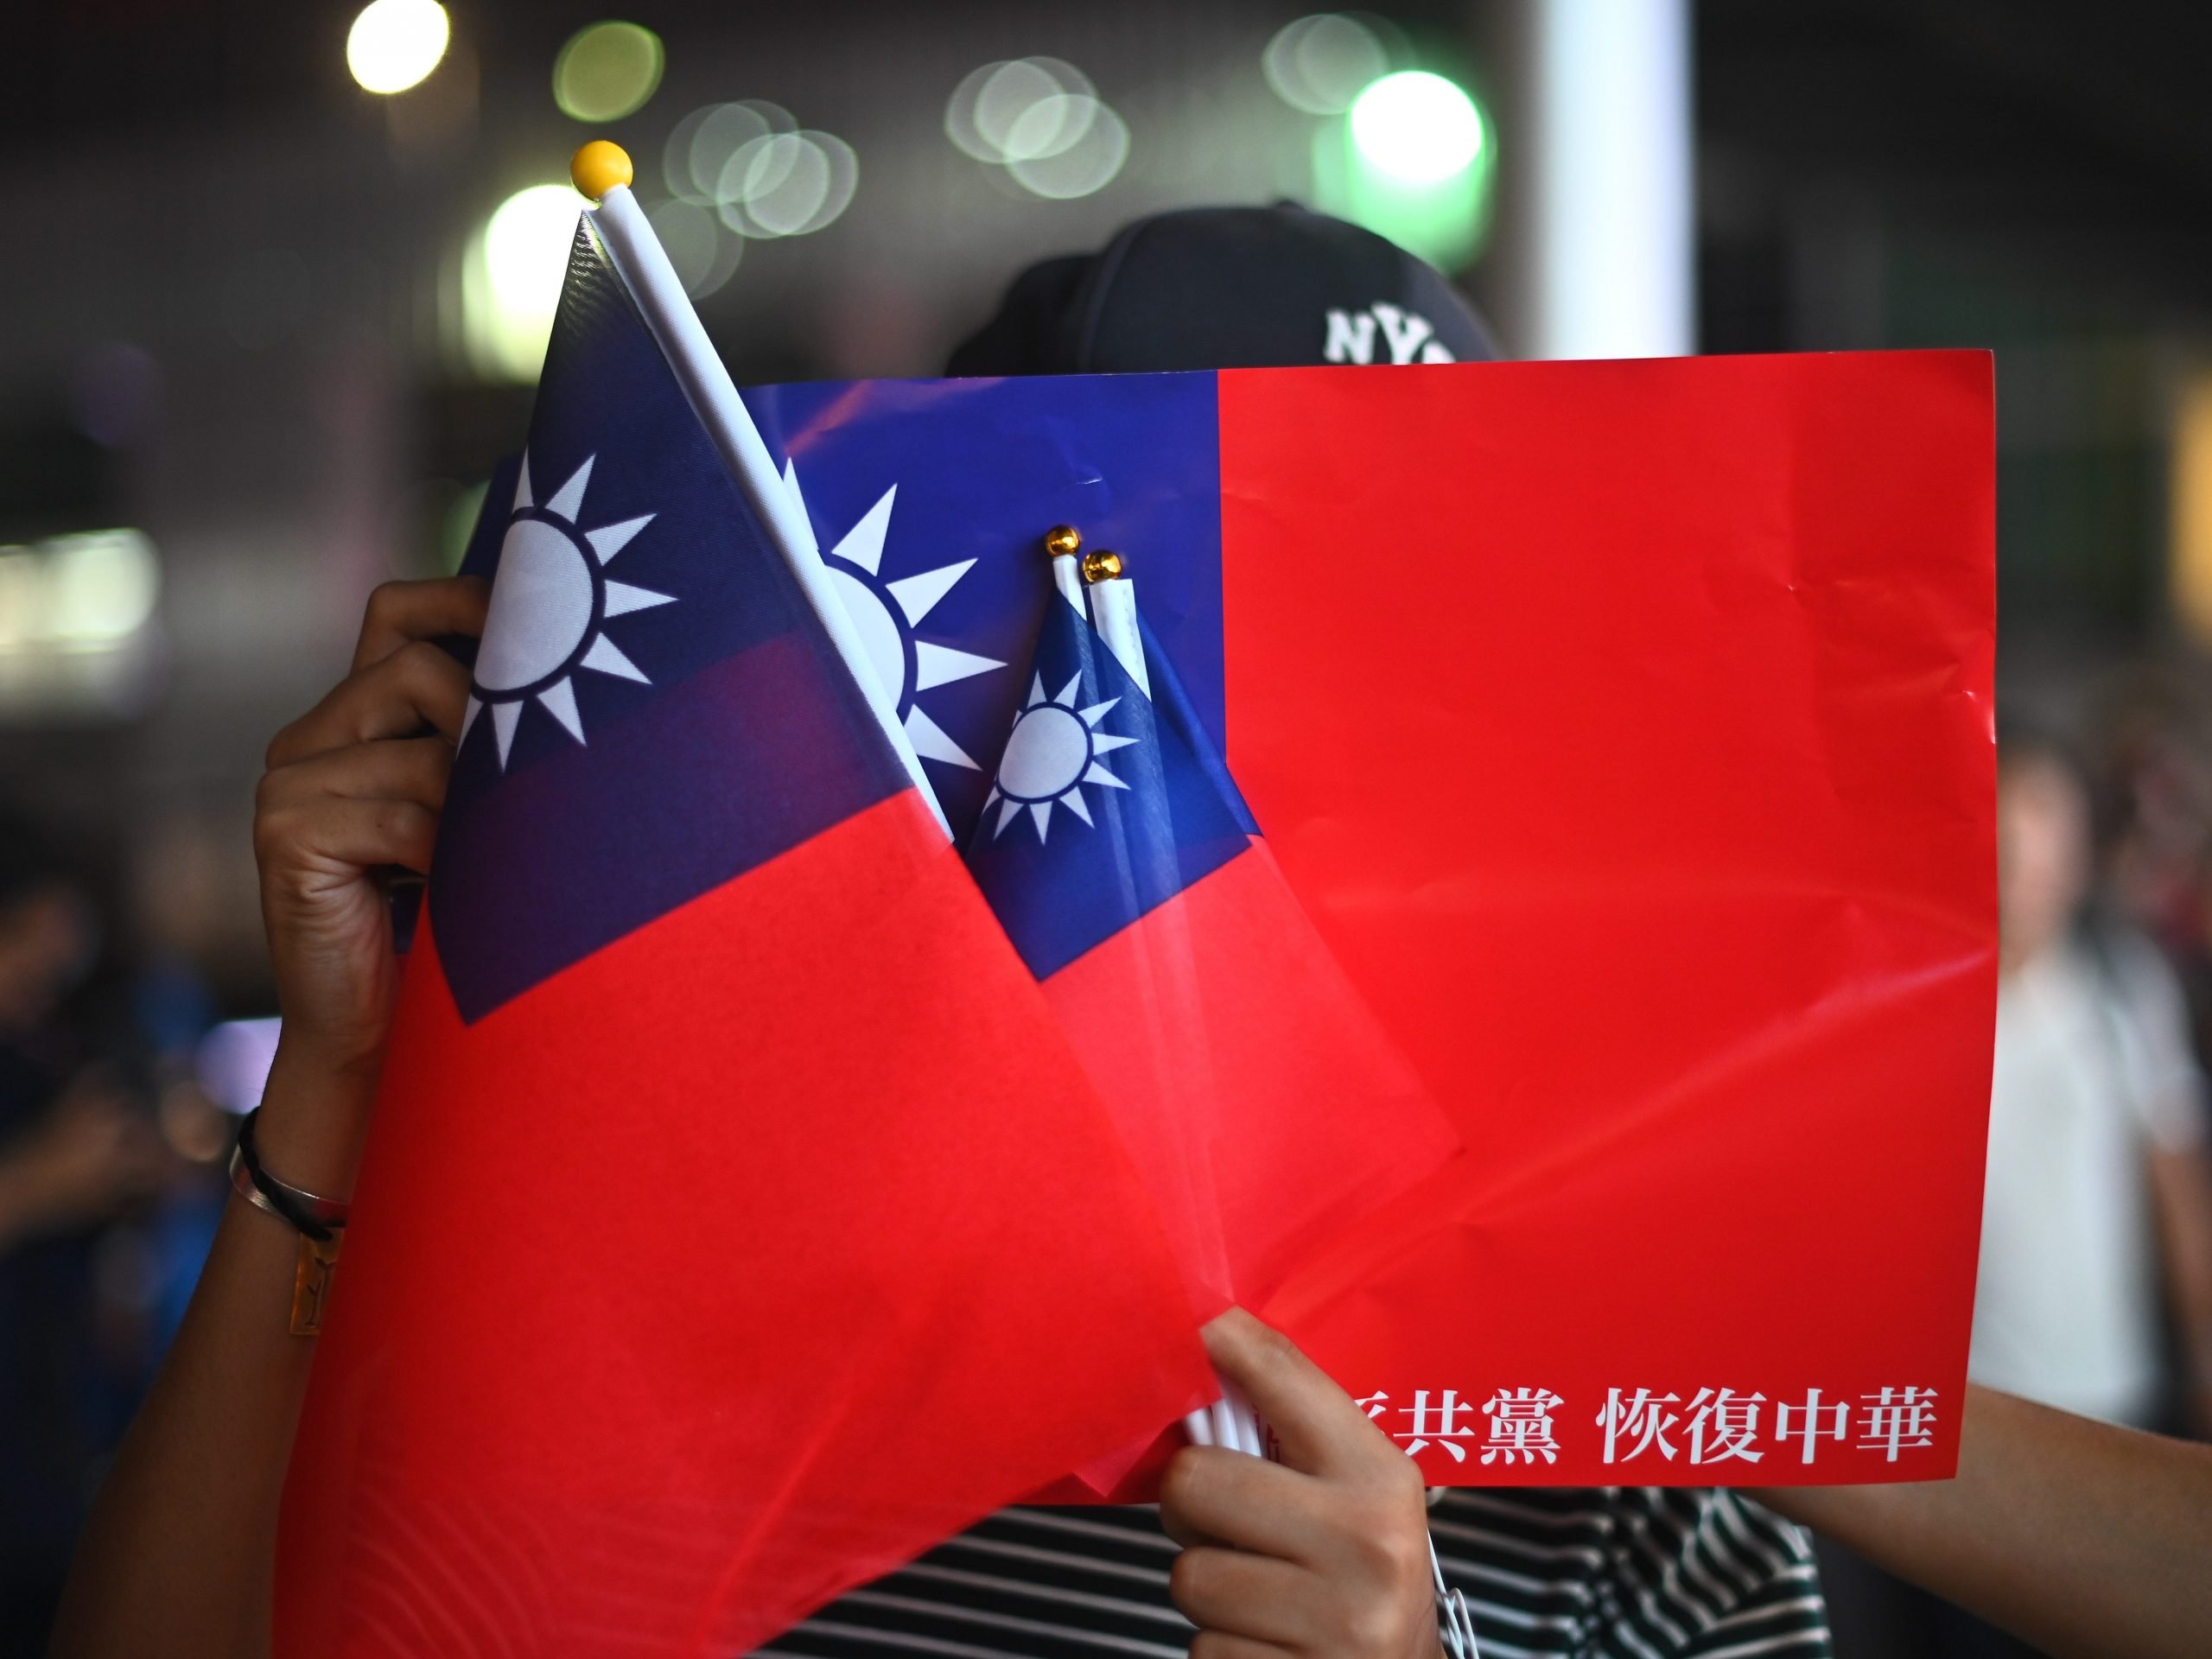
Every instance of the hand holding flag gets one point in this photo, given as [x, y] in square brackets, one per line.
[652, 1357]
[1324, 1551]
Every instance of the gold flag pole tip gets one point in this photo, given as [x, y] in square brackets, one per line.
[1062, 540]
[598, 167]
[1104, 565]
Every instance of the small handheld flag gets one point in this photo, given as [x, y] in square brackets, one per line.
[734, 1223]
[1256, 1094]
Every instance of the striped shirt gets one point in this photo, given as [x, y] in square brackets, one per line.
[1630, 1572]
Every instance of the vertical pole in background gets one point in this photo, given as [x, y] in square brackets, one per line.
[1597, 228]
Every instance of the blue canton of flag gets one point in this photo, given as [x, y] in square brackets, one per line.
[655, 709]
[1106, 802]
[930, 499]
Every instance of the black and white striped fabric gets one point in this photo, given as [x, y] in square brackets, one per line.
[1632, 1573]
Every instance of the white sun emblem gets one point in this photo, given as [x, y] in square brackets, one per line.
[550, 604]
[1052, 752]
[885, 613]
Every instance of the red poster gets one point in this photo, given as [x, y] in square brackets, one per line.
[1625, 728]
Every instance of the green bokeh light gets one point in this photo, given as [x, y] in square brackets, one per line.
[608, 71]
[1412, 160]
[1417, 127]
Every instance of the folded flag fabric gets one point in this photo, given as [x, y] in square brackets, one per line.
[735, 1221]
[1624, 730]
[1258, 1096]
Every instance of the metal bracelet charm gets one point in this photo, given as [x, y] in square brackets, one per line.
[320, 1222]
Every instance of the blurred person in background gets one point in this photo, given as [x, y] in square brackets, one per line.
[2097, 1213]
[74, 1150]
[2154, 807]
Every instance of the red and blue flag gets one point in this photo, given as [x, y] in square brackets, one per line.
[735, 1221]
[1259, 1098]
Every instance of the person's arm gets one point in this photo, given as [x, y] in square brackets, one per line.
[2088, 1542]
[178, 1555]
[1325, 1552]
[2181, 1196]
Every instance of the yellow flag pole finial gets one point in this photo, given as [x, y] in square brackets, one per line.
[1104, 565]
[598, 167]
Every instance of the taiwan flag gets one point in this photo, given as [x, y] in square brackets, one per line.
[735, 1222]
[1259, 1098]
[1624, 731]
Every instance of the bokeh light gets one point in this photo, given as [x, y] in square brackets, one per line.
[608, 71]
[22, 591]
[700, 149]
[787, 184]
[1417, 127]
[1081, 167]
[77, 631]
[2189, 518]
[101, 586]
[232, 1062]
[1414, 160]
[1049, 126]
[394, 44]
[757, 173]
[511, 281]
[1041, 119]
[91, 591]
[1320, 64]
[703, 253]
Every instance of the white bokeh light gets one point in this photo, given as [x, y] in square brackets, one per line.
[1041, 119]
[394, 44]
[511, 281]
[101, 586]
[700, 150]
[1319, 64]
[1051, 125]
[1417, 127]
[1083, 168]
[704, 254]
[787, 184]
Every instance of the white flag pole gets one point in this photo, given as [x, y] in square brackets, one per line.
[1075, 578]
[1230, 1421]
[1114, 614]
[601, 171]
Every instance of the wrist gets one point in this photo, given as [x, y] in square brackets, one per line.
[315, 1116]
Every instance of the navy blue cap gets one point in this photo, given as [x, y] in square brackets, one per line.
[1227, 288]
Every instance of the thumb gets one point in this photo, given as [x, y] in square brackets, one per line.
[1318, 1426]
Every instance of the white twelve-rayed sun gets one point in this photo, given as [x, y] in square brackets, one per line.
[1051, 754]
[885, 613]
[551, 605]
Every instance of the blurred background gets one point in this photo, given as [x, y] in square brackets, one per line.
[278, 274]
